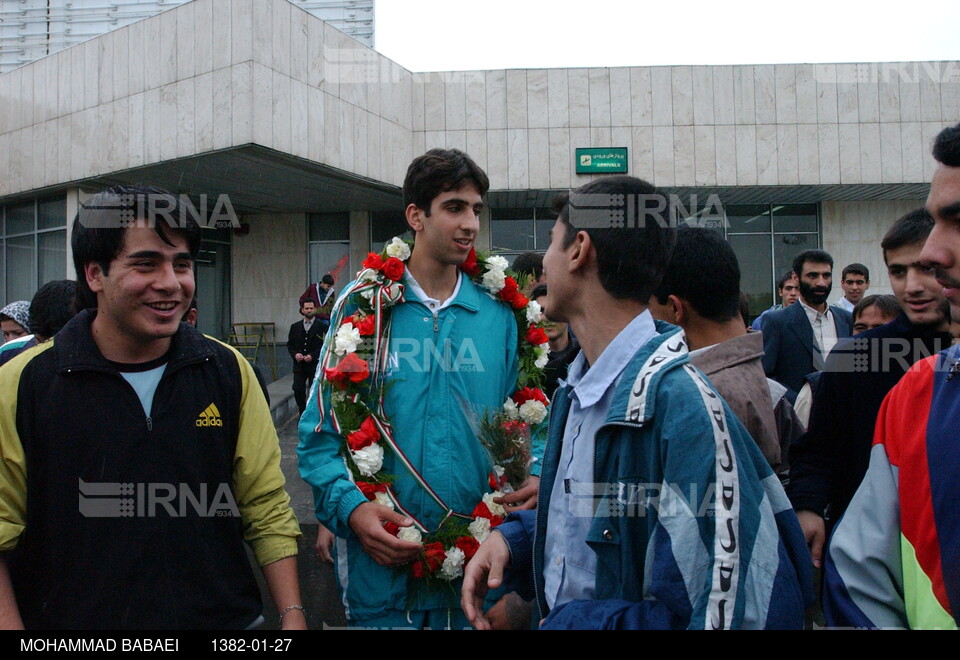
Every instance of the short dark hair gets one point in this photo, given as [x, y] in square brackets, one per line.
[703, 271]
[52, 306]
[528, 263]
[812, 256]
[886, 303]
[630, 260]
[782, 282]
[946, 147]
[914, 227]
[327, 279]
[100, 226]
[856, 269]
[439, 171]
[538, 291]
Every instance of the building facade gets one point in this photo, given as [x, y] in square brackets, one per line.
[309, 132]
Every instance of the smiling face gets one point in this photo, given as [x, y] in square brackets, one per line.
[446, 235]
[942, 249]
[871, 317]
[915, 285]
[143, 296]
[854, 285]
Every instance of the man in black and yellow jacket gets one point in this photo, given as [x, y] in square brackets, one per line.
[139, 455]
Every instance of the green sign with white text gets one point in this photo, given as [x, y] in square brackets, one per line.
[610, 160]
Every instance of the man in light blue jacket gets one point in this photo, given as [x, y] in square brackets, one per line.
[452, 346]
[657, 509]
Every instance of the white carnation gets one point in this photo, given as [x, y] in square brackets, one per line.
[369, 460]
[497, 263]
[368, 294]
[543, 356]
[398, 248]
[533, 412]
[347, 339]
[410, 533]
[453, 564]
[493, 280]
[495, 509]
[368, 275]
[534, 312]
[384, 499]
[498, 470]
[480, 529]
[510, 409]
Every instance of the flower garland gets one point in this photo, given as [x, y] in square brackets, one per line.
[354, 371]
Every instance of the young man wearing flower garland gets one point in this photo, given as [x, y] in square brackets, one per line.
[657, 508]
[422, 343]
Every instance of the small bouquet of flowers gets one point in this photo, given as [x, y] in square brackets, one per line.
[506, 436]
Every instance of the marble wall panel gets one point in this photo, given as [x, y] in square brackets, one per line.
[828, 146]
[241, 30]
[661, 89]
[726, 155]
[497, 158]
[746, 155]
[705, 156]
[681, 81]
[455, 105]
[684, 159]
[723, 95]
[299, 119]
[785, 81]
[806, 94]
[744, 95]
[496, 90]
[641, 96]
[891, 155]
[222, 108]
[930, 102]
[808, 155]
[641, 153]
[203, 31]
[477, 146]
[476, 102]
[578, 92]
[599, 86]
[870, 165]
[203, 112]
[516, 98]
[538, 110]
[561, 157]
[847, 102]
[767, 155]
[299, 44]
[620, 110]
[558, 103]
[849, 136]
[186, 41]
[538, 158]
[787, 155]
[765, 91]
[663, 156]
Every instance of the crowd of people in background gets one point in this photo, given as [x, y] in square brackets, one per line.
[696, 470]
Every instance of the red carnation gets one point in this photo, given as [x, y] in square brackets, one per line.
[470, 266]
[536, 336]
[393, 268]
[364, 324]
[351, 369]
[520, 397]
[519, 301]
[492, 480]
[373, 261]
[433, 555]
[365, 436]
[482, 511]
[370, 490]
[469, 545]
[391, 528]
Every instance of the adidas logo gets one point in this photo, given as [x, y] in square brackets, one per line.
[210, 417]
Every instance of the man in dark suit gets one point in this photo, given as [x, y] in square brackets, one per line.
[304, 343]
[796, 340]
